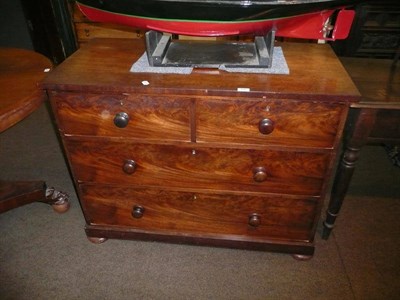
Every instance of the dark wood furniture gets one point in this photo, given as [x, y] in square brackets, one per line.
[50, 27]
[86, 30]
[20, 72]
[375, 31]
[374, 120]
[210, 158]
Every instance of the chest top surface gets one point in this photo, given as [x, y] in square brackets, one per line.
[103, 65]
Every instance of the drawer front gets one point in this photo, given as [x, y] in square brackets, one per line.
[157, 210]
[140, 117]
[268, 122]
[284, 172]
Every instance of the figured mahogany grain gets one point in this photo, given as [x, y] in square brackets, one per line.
[300, 173]
[191, 164]
[200, 213]
[150, 116]
[302, 124]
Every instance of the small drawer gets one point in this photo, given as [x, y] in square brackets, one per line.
[199, 213]
[131, 116]
[268, 122]
[267, 171]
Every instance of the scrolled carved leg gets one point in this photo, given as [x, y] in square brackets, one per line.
[57, 199]
[14, 194]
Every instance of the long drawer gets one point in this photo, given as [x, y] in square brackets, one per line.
[266, 171]
[199, 213]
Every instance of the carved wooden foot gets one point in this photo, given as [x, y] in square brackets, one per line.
[57, 199]
[61, 208]
[16, 194]
[96, 240]
[302, 257]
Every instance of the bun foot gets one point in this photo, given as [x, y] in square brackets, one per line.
[96, 240]
[302, 257]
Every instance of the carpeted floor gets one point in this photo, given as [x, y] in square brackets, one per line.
[45, 255]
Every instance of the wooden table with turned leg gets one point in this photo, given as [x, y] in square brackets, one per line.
[374, 120]
[20, 72]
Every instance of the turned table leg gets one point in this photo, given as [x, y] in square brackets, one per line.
[341, 184]
[359, 127]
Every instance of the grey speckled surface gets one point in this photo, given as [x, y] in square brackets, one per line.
[279, 66]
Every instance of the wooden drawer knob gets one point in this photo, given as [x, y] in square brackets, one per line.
[266, 126]
[254, 220]
[129, 166]
[121, 119]
[137, 211]
[260, 174]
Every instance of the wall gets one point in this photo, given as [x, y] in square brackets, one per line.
[13, 27]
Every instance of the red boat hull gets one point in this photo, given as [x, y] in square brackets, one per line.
[307, 26]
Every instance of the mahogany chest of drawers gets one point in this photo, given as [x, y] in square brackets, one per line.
[192, 158]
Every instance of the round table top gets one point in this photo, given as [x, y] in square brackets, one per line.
[20, 73]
